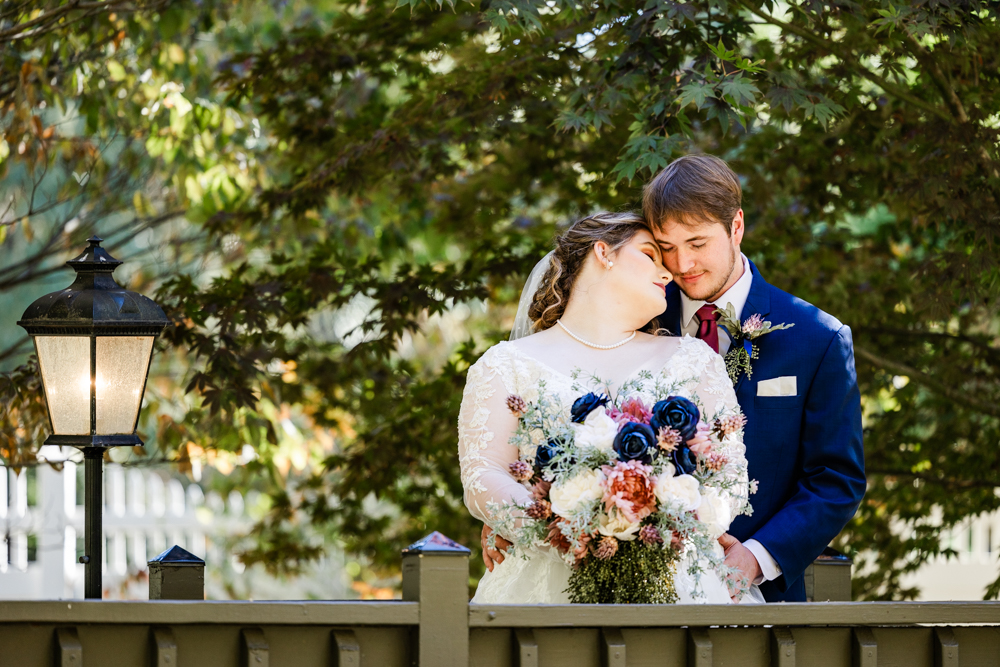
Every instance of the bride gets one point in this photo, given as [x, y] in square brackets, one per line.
[593, 312]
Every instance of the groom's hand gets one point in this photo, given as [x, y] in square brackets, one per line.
[741, 558]
[492, 556]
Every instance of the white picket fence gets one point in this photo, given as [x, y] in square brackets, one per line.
[145, 512]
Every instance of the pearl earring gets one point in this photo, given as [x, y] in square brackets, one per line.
[610, 264]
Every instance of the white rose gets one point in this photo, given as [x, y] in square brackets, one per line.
[568, 495]
[714, 511]
[680, 491]
[598, 430]
[618, 526]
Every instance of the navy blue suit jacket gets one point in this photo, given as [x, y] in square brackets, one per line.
[804, 450]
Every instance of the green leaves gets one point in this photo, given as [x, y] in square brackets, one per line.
[697, 93]
[360, 183]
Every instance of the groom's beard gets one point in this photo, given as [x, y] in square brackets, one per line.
[713, 287]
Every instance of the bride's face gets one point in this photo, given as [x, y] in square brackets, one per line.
[638, 276]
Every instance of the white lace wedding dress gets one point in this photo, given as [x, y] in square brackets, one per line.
[485, 426]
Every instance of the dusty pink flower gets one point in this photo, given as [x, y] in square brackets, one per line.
[629, 487]
[582, 547]
[540, 489]
[521, 471]
[556, 537]
[632, 410]
[606, 548]
[702, 448]
[650, 535]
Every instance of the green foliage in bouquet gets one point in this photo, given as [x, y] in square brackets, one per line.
[636, 574]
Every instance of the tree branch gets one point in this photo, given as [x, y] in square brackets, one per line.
[993, 352]
[15, 348]
[927, 381]
[11, 34]
[834, 48]
[947, 482]
[939, 79]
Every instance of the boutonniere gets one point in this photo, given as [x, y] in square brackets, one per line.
[743, 350]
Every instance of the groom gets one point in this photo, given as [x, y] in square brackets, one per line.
[803, 409]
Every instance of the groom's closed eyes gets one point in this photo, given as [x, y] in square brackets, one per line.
[694, 242]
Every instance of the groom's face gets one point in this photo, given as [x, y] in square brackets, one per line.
[701, 255]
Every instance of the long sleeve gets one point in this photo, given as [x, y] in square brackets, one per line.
[718, 400]
[831, 479]
[485, 425]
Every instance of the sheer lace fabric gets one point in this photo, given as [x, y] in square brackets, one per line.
[485, 427]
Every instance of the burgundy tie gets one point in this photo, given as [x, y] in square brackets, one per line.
[708, 329]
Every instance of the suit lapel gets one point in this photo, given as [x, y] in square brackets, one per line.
[758, 303]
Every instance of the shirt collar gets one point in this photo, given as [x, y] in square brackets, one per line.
[736, 295]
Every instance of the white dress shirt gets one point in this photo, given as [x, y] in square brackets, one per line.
[737, 296]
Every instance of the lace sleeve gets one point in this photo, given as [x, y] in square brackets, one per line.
[485, 425]
[718, 400]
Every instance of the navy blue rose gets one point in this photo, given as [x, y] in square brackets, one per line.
[678, 413]
[635, 442]
[545, 453]
[685, 461]
[584, 405]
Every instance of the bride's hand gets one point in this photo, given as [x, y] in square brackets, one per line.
[492, 556]
[701, 443]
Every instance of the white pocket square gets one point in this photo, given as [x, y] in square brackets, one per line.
[783, 386]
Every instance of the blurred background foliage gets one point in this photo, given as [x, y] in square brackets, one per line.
[337, 203]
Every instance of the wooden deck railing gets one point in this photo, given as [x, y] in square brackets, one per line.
[435, 625]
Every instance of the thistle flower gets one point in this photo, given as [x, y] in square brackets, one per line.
[516, 405]
[540, 509]
[521, 471]
[729, 425]
[606, 548]
[753, 324]
[715, 461]
[650, 535]
[668, 439]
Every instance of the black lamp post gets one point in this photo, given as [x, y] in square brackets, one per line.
[94, 342]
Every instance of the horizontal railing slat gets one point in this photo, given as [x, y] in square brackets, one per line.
[179, 612]
[795, 614]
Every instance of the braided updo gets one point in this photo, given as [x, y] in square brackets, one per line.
[572, 248]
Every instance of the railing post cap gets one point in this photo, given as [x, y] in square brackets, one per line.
[436, 544]
[831, 556]
[176, 556]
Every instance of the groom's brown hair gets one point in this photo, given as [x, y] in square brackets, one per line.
[693, 188]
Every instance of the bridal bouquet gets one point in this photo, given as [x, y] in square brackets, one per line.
[619, 494]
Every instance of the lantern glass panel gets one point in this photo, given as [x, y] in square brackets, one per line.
[65, 365]
[122, 362]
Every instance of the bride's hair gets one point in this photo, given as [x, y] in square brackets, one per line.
[572, 248]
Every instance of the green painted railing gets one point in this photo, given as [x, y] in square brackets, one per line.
[435, 625]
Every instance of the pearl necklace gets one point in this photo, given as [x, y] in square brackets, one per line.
[595, 345]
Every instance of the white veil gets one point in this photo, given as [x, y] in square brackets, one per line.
[522, 323]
